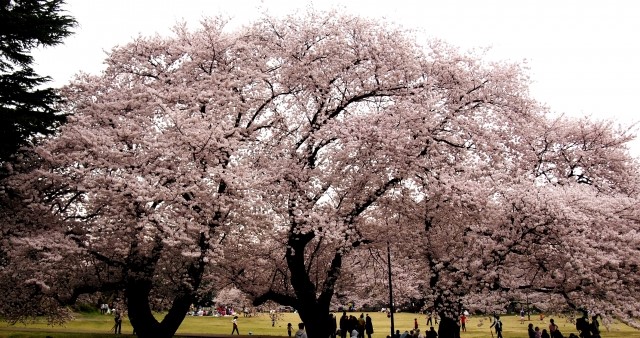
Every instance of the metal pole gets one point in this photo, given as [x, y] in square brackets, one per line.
[391, 307]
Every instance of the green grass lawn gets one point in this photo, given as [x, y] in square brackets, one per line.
[96, 325]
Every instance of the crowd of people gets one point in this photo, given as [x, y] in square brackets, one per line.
[358, 327]
[355, 327]
[416, 333]
[585, 328]
[219, 311]
[588, 329]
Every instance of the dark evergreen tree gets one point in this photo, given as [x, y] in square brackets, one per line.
[27, 109]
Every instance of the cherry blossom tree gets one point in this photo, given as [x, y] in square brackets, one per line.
[544, 234]
[146, 181]
[359, 145]
[286, 156]
[461, 144]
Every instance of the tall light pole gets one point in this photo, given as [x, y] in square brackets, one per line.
[391, 307]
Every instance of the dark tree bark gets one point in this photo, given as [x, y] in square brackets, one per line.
[448, 327]
[141, 317]
[313, 311]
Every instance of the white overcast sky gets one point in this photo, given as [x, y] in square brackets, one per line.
[583, 55]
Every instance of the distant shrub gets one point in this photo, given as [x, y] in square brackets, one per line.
[85, 308]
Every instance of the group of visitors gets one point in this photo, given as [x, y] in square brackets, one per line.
[108, 309]
[553, 332]
[585, 329]
[220, 311]
[356, 327]
[588, 329]
[415, 333]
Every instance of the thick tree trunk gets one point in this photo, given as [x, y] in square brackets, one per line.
[315, 319]
[144, 323]
[448, 327]
[313, 309]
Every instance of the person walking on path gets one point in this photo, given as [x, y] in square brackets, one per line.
[235, 326]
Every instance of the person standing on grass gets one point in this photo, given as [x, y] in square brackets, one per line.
[595, 327]
[361, 325]
[498, 325]
[333, 325]
[344, 325]
[353, 325]
[583, 326]
[368, 326]
[235, 326]
[117, 327]
[552, 328]
[463, 322]
[531, 331]
[432, 333]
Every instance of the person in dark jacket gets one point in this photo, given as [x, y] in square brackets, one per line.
[333, 326]
[344, 325]
[368, 326]
[531, 331]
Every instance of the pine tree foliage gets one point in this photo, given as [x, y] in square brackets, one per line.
[27, 109]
